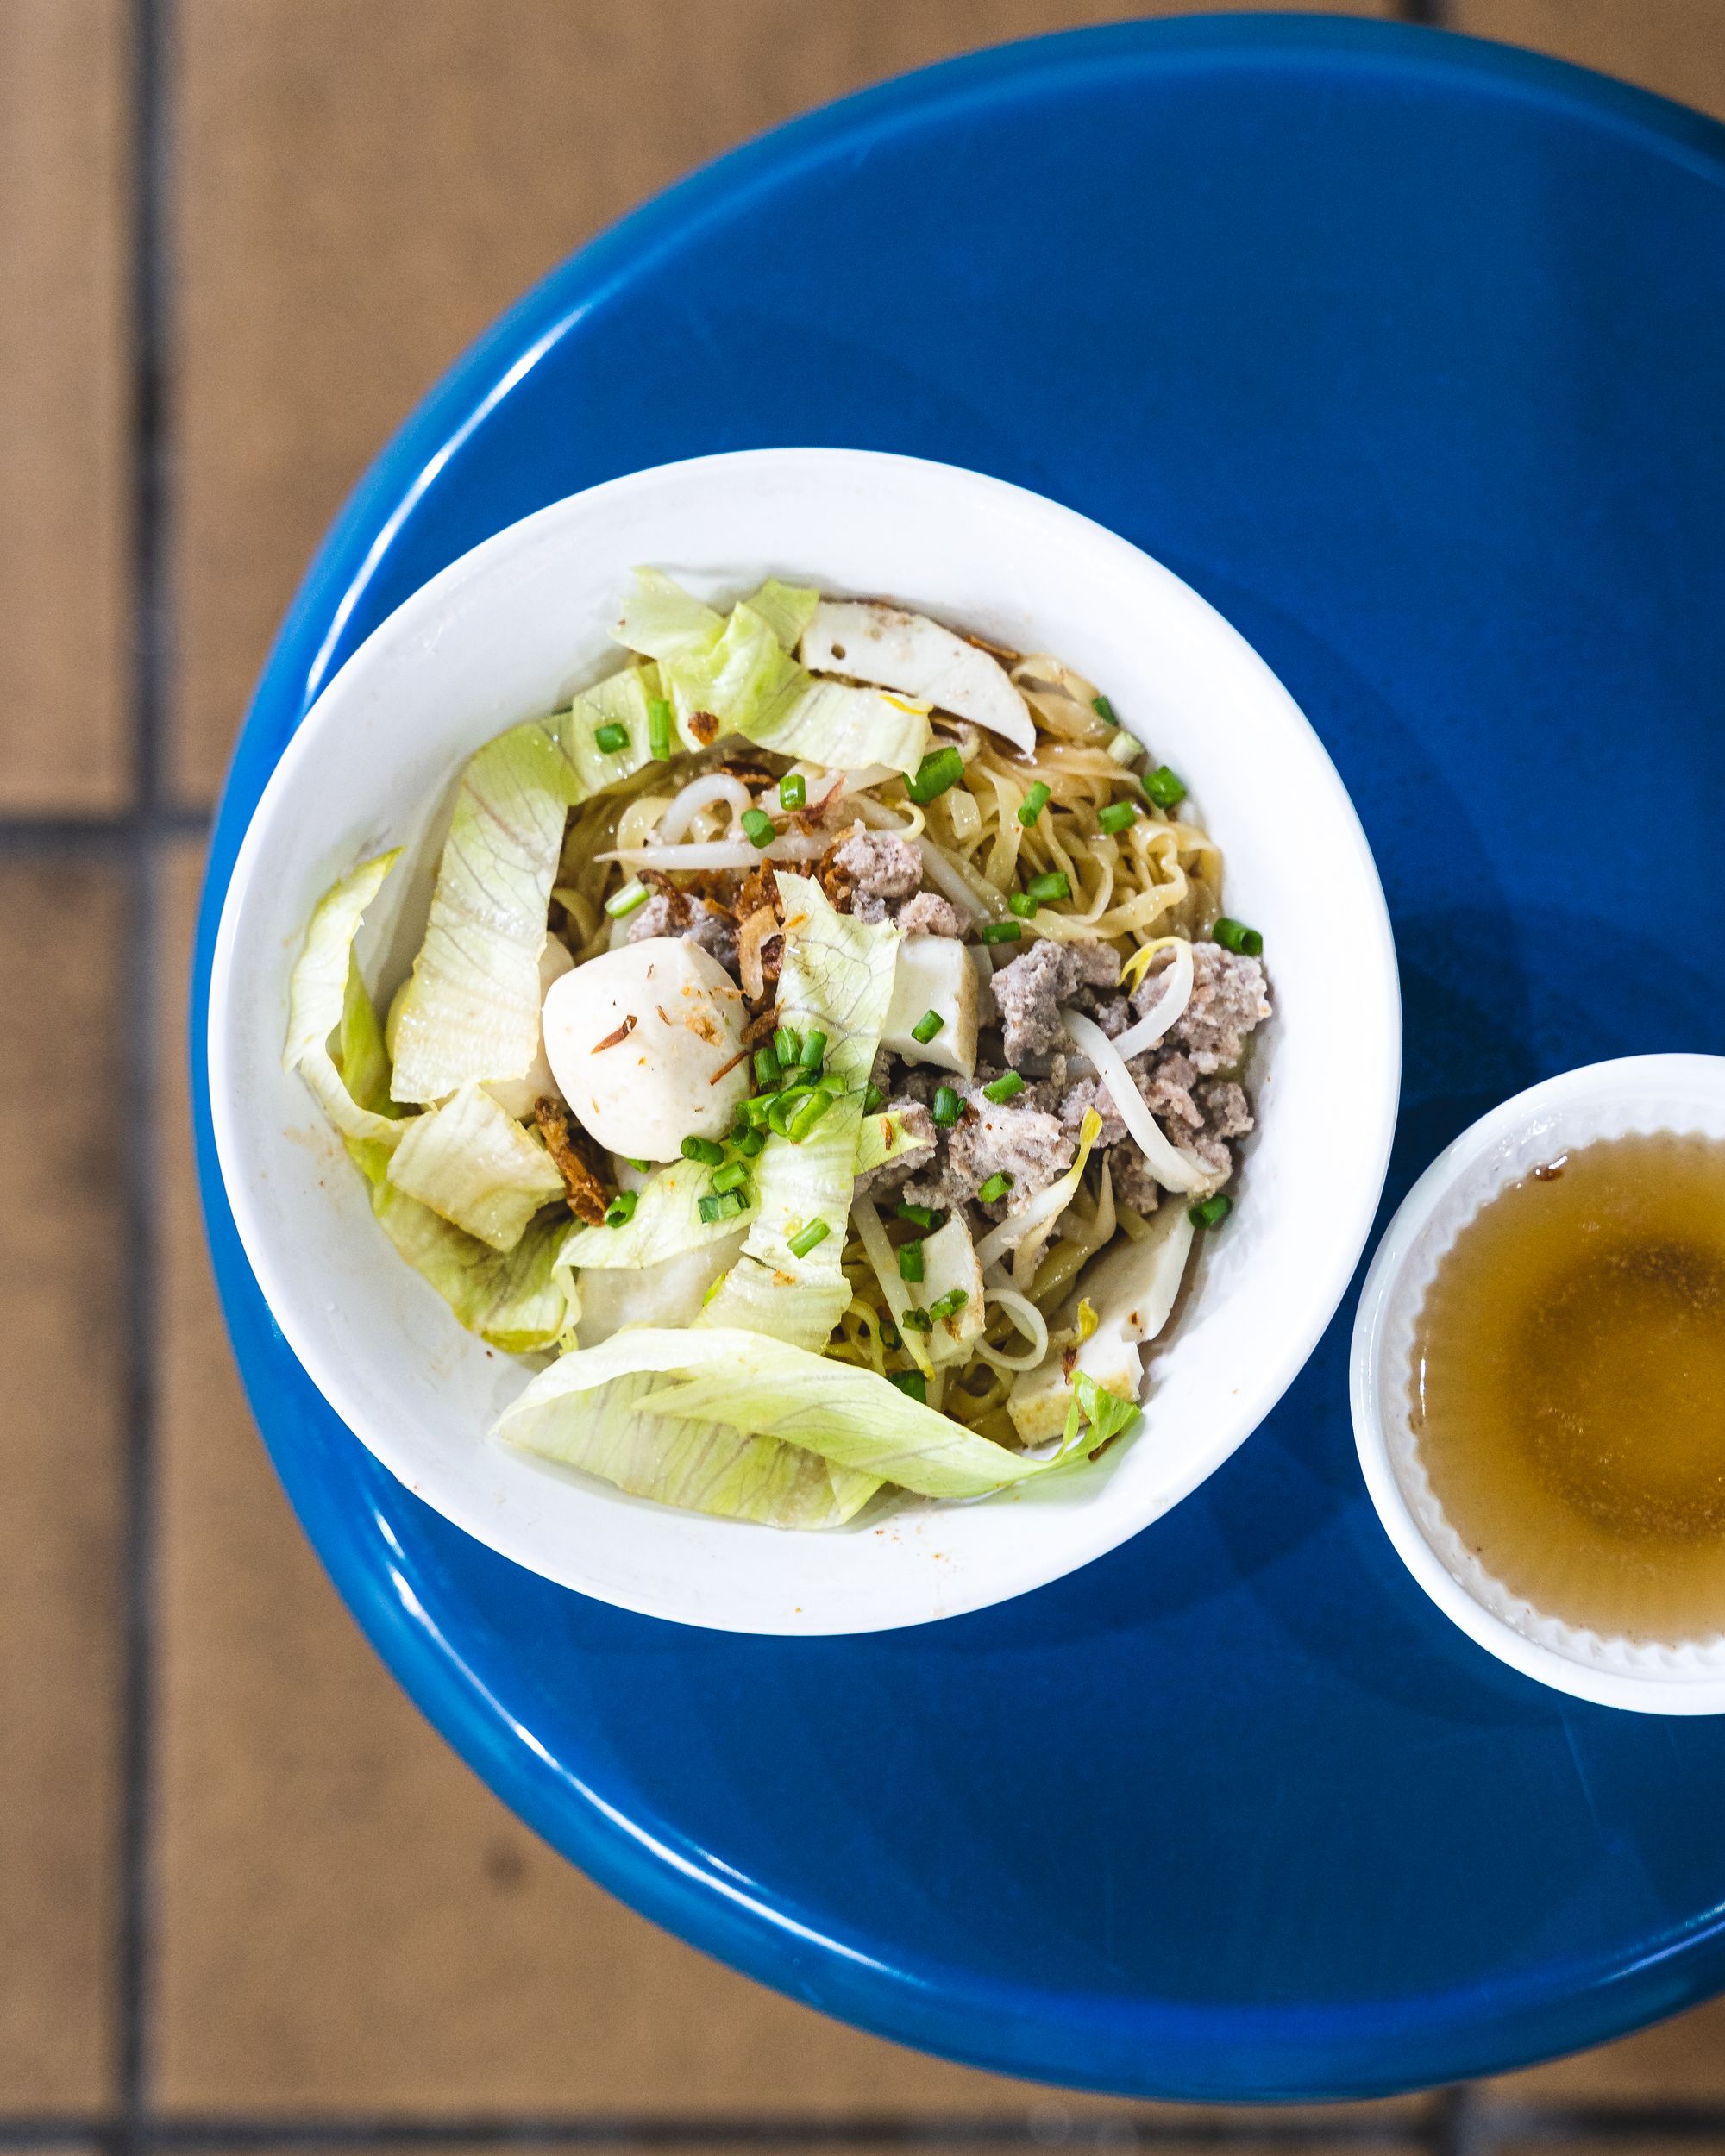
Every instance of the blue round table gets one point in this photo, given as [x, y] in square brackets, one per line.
[1409, 354]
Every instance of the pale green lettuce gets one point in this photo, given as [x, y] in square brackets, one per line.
[317, 995]
[747, 1382]
[471, 1012]
[787, 609]
[836, 976]
[666, 1222]
[474, 1164]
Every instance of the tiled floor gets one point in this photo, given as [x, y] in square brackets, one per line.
[319, 1926]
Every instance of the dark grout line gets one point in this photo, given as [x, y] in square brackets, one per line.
[1434, 13]
[31, 838]
[151, 29]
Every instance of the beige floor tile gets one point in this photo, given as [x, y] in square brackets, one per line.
[347, 1918]
[65, 387]
[61, 1453]
[1681, 2061]
[365, 183]
[1675, 46]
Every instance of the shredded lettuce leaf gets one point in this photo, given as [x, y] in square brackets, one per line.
[318, 992]
[836, 976]
[474, 1164]
[765, 1388]
[883, 1138]
[741, 670]
[1107, 1415]
[471, 1012]
[666, 1222]
[521, 1302]
[621, 699]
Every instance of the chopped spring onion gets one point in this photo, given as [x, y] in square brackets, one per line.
[949, 1305]
[621, 1210]
[1005, 1088]
[1045, 890]
[1124, 749]
[910, 1261]
[624, 902]
[722, 1205]
[928, 1026]
[1023, 906]
[813, 1053]
[1033, 803]
[995, 1188]
[1163, 788]
[731, 1177]
[1211, 1213]
[611, 737]
[918, 1216]
[766, 1069]
[939, 769]
[947, 1106]
[872, 1098]
[756, 1109]
[704, 1150]
[1236, 935]
[915, 1321]
[792, 790]
[911, 1382]
[750, 1143]
[641, 1166]
[758, 827]
[807, 1239]
[659, 727]
[787, 1048]
[1115, 817]
[807, 1115]
[1001, 932]
[1104, 711]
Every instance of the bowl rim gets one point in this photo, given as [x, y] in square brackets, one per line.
[1374, 959]
[1677, 1694]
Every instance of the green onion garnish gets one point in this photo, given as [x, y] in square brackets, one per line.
[872, 1098]
[1046, 889]
[1104, 711]
[611, 736]
[722, 1205]
[1116, 817]
[1211, 1213]
[807, 1239]
[731, 1177]
[910, 1261]
[939, 769]
[812, 1054]
[766, 1069]
[994, 1190]
[947, 1106]
[1024, 907]
[912, 1383]
[757, 827]
[915, 1321]
[1002, 932]
[625, 900]
[641, 1166]
[1002, 1089]
[659, 727]
[1162, 788]
[808, 1115]
[792, 790]
[704, 1150]
[1033, 803]
[750, 1143]
[949, 1305]
[928, 1026]
[755, 1108]
[1236, 935]
[918, 1216]
[889, 1334]
[787, 1047]
[621, 1210]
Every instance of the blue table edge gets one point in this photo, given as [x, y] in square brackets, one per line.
[1154, 2048]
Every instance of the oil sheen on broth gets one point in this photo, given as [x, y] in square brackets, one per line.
[1568, 1388]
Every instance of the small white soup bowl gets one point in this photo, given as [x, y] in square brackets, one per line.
[508, 632]
[1637, 1093]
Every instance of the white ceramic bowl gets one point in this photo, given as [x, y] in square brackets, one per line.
[509, 632]
[1637, 1093]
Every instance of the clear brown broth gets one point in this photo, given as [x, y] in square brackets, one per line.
[1568, 1388]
